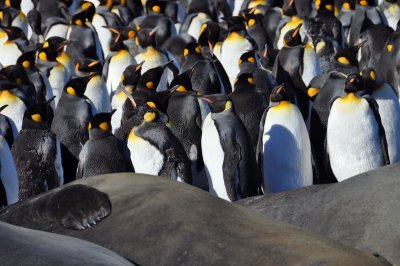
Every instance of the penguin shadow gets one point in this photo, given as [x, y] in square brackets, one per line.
[285, 165]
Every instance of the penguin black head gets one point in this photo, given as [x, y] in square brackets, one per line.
[248, 57]
[217, 102]
[150, 79]
[116, 43]
[15, 74]
[79, 19]
[27, 59]
[326, 7]
[289, 8]
[209, 34]
[155, 7]
[51, 48]
[369, 76]
[366, 2]
[131, 75]
[279, 94]
[13, 3]
[293, 38]
[146, 37]
[323, 47]
[191, 48]
[88, 65]
[348, 55]
[245, 81]
[354, 83]
[235, 23]
[37, 116]
[14, 33]
[267, 57]
[76, 87]
[253, 19]
[182, 83]
[128, 33]
[100, 125]
[89, 8]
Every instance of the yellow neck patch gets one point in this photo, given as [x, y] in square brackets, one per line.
[228, 105]
[283, 105]
[389, 48]
[185, 52]
[372, 75]
[71, 91]
[37, 118]
[149, 116]
[26, 64]
[43, 56]
[105, 126]
[351, 97]
[181, 89]
[6, 95]
[203, 27]
[344, 60]
[312, 91]
[46, 45]
[151, 105]
[251, 22]
[251, 81]
[132, 136]
[251, 59]
[150, 85]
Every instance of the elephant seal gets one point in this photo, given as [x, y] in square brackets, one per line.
[156, 221]
[361, 212]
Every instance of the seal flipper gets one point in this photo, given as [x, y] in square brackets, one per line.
[74, 207]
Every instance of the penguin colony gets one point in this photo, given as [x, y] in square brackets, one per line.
[238, 98]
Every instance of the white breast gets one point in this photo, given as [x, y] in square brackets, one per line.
[116, 67]
[389, 109]
[213, 157]
[311, 66]
[232, 48]
[96, 91]
[58, 30]
[58, 78]
[146, 158]
[117, 103]
[352, 139]
[196, 23]
[8, 172]
[9, 53]
[152, 58]
[16, 109]
[238, 4]
[103, 33]
[286, 150]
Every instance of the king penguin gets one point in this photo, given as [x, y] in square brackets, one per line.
[70, 123]
[284, 149]
[103, 153]
[389, 110]
[37, 154]
[355, 138]
[228, 155]
[8, 174]
[155, 150]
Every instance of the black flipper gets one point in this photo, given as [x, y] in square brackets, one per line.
[375, 109]
[229, 168]
[75, 207]
[260, 145]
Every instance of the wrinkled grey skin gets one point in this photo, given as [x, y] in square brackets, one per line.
[361, 212]
[156, 221]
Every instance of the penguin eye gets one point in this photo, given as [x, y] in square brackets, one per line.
[149, 116]
[150, 85]
[37, 118]
[105, 126]
[344, 60]
[156, 9]
[181, 89]
[71, 91]
[320, 45]
[137, 41]
[251, 60]
[122, 77]
[26, 64]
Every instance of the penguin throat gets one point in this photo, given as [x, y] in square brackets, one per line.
[234, 37]
[64, 59]
[351, 97]
[283, 105]
[6, 97]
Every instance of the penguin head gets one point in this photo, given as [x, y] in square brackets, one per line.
[253, 19]
[209, 34]
[366, 3]
[27, 59]
[76, 87]
[9, 91]
[191, 48]
[88, 65]
[217, 102]
[13, 33]
[89, 9]
[79, 19]
[279, 94]
[15, 74]
[37, 116]
[326, 7]
[348, 56]
[150, 79]
[51, 48]
[235, 23]
[146, 37]
[106, 4]
[182, 83]
[292, 37]
[267, 57]
[244, 81]
[354, 83]
[35, 21]
[289, 8]
[155, 7]
[370, 78]
[131, 75]
[116, 44]
[248, 57]
[100, 125]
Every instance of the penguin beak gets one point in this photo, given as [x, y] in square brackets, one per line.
[291, 2]
[205, 99]
[138, 68]
[151, 33]
[211, 48]
[280, 89]
[133, 102]
[253, 10]
[265, 53]
[95, 62]
[62, 45]
[297, 30]
[3, 107]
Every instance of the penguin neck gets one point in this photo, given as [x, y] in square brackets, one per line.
[96, 133]
[29, 124]
[351, 97]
